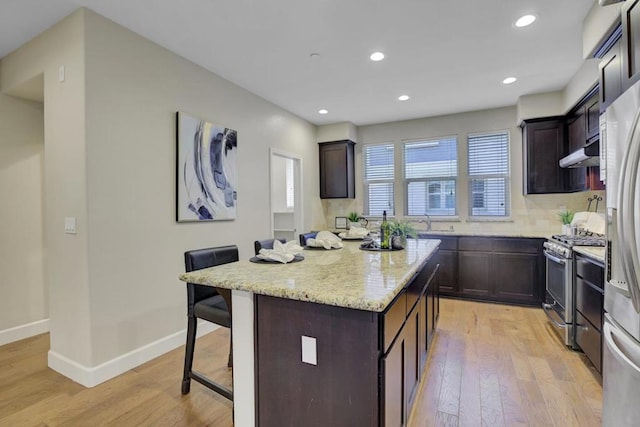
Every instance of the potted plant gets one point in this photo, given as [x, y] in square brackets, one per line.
[400, 231]
[566, 216]
[354, 219]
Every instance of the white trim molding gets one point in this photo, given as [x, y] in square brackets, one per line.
[24, 331]
[92, 376]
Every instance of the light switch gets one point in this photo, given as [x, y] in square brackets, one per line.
[70, 225]
[61, 74]
[309, 354]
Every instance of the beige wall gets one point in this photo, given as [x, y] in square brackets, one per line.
[532, 215]
[65, 191]
[110, 162]
[23, 294]
[134, 88]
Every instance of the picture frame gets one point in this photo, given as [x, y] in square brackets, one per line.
[341, 223]
[206, 170]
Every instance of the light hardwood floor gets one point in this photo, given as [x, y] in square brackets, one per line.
[499, 365]
[490, 365]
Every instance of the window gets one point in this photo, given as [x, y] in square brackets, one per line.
[289, 183]
[430, 172]
[489, 174]
[378, 179]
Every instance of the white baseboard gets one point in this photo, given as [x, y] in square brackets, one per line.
[92, 376]
[24, 331]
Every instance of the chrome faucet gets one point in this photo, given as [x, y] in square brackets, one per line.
[427, 220]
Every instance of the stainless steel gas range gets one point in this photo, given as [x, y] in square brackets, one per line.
[560, 295]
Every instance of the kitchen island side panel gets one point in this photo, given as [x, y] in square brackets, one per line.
[341, 390]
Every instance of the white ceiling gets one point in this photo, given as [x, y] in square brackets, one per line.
[449, 56]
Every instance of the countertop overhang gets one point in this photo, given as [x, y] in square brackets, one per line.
[347, 277]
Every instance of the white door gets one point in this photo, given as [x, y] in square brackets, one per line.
[286, 195]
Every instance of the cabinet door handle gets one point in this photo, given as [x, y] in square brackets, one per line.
[548, 308]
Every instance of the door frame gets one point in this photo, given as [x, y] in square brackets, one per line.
[297, 185]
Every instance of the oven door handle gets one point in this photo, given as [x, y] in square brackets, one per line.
[548, 308]
[555, 258]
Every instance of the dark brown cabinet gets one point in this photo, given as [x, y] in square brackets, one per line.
[394, 385]
[589, 306]
[474, 275]
[518, 276]
[405, 359]
[610, 69]
[592, 114]
[447, 258]
[577, 131]
[630, 45]
[337, 173]
[368, 366]
[577, 136]
[544, 146]
[501, 269]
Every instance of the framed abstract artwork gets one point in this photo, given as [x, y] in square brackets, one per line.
[207, 170]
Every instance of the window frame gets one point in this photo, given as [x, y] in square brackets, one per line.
[433, 179]
[366, 182]
[505, 177]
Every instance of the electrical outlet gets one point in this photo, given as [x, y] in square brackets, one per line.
[309, 353]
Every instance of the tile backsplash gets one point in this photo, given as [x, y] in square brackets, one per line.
[533, 215]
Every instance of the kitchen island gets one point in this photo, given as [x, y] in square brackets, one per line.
[339, 338]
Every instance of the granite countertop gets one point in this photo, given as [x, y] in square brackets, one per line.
[347, 277]
[594, 252]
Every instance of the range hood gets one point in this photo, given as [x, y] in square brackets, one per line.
[585, 156]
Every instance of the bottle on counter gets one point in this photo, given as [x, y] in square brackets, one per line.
[385, 232]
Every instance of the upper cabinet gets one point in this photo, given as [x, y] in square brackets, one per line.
[630, 43]
[337, 172]
[610, 76]
[547, 140]
[544, 146]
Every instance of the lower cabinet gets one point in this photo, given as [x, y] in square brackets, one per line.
[404, 362]
[589, 306]
[474, 273]
[368, 365]
[394, 384]
[500, 269]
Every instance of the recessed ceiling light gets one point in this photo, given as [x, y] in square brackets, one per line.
[377, 56]
[323, 111]
[403, 98]
[314, 55]
[509, 80]
[525, 20]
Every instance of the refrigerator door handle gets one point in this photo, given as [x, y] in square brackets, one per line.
[609, 332]
[626, 208]
[630, 198]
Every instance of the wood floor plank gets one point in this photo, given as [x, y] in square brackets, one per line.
[490, 398]
[534, 404]
[488, 364]
[450, 389]
[470, 410]
[444, 419]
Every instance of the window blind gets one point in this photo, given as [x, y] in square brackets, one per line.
[489, 174]
[378, 178]
[430, 173]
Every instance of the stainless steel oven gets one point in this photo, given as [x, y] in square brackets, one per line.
[558, 304]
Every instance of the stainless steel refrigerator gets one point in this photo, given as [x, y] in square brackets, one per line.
[620, 160]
